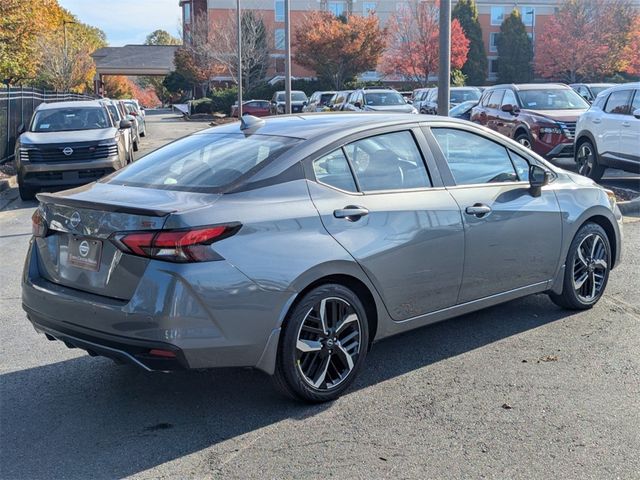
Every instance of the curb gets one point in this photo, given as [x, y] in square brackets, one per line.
[630, 208]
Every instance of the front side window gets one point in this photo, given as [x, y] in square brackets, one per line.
[205, 162]
[496, 99]
[473, 159]
[333, 170]
[68, 119]
[619, 102]
[390, 161]
[552, 99]
[635, 105]
[509, 98]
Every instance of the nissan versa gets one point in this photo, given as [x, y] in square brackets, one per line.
[292, 243]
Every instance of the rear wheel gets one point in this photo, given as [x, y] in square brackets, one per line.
[586, 269]
[587, 161]
[26, 193]
[323, 345]
[523, 139]
[135, 145]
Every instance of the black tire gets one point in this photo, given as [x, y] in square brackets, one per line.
[570, 298]
[26, 193]
[292, 364]
[588, 161]
[135, 145]
[143, 133]
[524, 139]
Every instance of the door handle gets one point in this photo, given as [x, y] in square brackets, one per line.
[626, 124]
[596, 120]
[479, 210]
[351, 212]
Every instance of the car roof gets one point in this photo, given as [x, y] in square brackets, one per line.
[314, 125]
[621, 86]
[71, 104]
[531, 86]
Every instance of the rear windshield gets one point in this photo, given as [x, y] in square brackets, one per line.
[383, 98]
[459, 96]
[205, 162]
[66, 119]
[295, 97]
[552, 99]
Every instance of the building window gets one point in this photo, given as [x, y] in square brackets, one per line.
[337, 8]
[493, 41]
[279, 38]
[186, 13]
[497, 15]
[493, 67]
[279, 10]
[528, 15]
[368, 7]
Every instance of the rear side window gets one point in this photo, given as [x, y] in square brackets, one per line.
[205, 162]
[473, 159]
[619, 102]
[333, 170]
[635, 105]
[390, 161]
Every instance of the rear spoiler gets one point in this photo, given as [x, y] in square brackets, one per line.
[49, 198]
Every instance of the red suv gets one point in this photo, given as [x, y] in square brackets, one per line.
[539, 116]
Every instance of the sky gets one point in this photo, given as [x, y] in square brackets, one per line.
[127, 21]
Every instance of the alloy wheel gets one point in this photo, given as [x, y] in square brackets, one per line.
[585, 159]
[525, 142]
[590, 268]
[328, 343]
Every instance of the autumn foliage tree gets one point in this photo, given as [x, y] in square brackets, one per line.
[413, 42]
[338, 48]
[631, 51]
[585, 40]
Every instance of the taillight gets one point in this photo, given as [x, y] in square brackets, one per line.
[182, 246]
[38, 224]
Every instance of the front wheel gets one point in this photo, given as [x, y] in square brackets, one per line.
[586, 269]
[323, 345]
[26, 193]
[524, 140]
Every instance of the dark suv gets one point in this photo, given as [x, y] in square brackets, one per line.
[539, 116]
[68, 144]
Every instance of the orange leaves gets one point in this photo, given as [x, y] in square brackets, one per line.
[338, 48]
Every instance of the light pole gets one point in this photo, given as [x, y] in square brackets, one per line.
[444, 71]
[287, 56]
[239, 20]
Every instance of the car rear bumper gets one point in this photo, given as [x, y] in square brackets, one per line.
[226, 321]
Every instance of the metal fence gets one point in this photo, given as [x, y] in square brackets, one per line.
[16, 107]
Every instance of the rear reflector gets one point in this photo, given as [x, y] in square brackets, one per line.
[182, 246]
[162, 353]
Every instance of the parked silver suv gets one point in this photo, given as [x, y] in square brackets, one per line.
[67, 144]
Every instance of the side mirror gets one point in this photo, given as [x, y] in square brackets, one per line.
[636, 112]
[512, 109]
[21, 129]
[125, 124]
[538, 178]
[410, 102]
[357, 105]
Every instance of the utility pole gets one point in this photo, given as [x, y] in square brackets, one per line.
[287, 56]
[444, 71]
[239, 21]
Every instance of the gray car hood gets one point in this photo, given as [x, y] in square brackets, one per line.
[72, 136]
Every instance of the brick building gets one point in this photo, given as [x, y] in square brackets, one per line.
[491, 14]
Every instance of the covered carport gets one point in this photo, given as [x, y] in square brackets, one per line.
[132, 60]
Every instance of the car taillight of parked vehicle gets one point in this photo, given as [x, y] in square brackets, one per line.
[38, 224]
[178, 246]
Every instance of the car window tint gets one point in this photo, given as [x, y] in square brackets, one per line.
[495, 99]
[521, 165]
[333, 169]
[636, 102]
[388, 162]
[474, 159]
[509, 98]
[618, 102]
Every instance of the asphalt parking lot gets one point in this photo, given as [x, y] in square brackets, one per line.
[521, 390]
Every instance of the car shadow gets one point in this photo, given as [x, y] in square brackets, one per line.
[87, 418]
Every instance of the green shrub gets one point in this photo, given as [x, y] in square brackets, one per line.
[222, 99]
[202, 105]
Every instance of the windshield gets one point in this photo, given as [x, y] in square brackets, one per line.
[597, 90]
[383, 98]
[462, 108]
[459, 96]
[66, 119]
[325, 98]
[552, 99]
[205, 162]
[295, 97]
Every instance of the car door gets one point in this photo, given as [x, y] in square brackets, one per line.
[615, 114]
[507, 121]
[493, 109]
[512, 238]
[377, 200]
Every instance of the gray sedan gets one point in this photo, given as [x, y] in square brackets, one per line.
[291, 244]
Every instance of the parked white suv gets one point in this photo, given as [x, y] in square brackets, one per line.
[608, 134]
